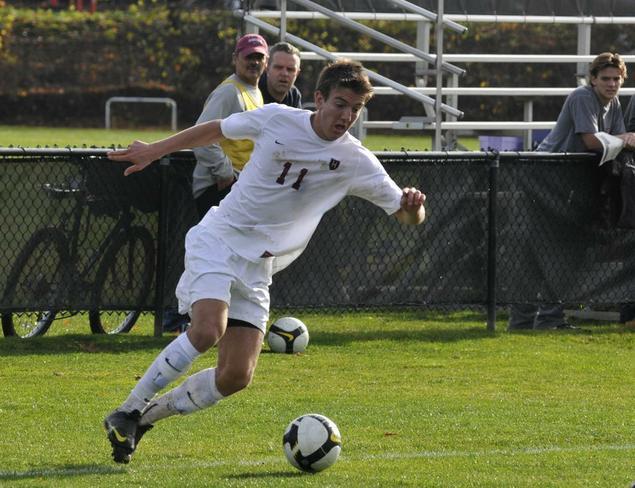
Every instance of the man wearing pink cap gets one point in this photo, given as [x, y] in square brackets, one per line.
[217, 166]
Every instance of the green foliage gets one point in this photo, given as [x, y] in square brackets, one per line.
[55, 64]
[140, 47]
[61, 66]
[421, 400]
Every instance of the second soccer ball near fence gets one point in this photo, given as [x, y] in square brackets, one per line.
[288, 335]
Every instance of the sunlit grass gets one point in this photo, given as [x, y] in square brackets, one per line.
[421, 399]
[78, 137]
[74, 137]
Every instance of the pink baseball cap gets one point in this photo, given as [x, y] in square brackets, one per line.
[252, 43]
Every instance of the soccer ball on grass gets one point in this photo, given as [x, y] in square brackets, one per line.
[289, 335]
[312, 442]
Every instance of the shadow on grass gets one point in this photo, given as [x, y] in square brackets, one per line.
[447, 334]
[446, 317]
[590, 328]
[79, 343]
[425, 327]
[274, 474]
[64, 471]
[89, 344]
[450, 331]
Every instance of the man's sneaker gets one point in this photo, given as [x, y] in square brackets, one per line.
[565, 325]
[123, 433]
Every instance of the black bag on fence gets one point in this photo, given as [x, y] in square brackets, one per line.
[110, 191]
[617, 192]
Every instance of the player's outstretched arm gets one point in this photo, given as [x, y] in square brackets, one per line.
[412, 210]
[141, 154]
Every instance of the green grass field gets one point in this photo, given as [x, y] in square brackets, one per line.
[48, 136]
[421, 400]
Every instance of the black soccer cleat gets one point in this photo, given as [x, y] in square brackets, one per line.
[124, 433]
[141, 429]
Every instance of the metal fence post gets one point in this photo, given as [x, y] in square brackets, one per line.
[162, 241]
[494, 164]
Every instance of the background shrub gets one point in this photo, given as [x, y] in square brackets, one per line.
[60, 67]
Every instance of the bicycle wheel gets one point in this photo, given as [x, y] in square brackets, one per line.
[127, 270]
[37, 277]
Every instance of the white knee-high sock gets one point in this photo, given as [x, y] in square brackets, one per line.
[171, 363]
[195, 393]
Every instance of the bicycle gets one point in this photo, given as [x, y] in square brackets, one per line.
[48, 269]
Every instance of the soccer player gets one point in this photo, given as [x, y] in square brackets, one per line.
[302, 165]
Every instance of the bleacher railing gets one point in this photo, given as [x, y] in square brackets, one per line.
[421, 68]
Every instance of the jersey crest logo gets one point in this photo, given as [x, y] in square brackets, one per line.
[333, 164]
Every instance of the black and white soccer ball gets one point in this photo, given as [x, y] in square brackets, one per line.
[289, 335]
[312, 442]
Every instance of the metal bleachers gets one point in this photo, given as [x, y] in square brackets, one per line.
[445, 118]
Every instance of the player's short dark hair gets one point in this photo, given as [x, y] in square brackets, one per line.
[344, 73]
[607, 60]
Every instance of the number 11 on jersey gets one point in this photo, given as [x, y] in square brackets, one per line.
[285, 171]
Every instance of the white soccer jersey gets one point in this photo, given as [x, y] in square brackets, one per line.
[292, 179]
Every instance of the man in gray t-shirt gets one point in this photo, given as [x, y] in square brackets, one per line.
[216, 164]
[591, 109]
[583, 114]
[586, 111]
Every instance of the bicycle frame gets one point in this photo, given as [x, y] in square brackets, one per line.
[62, 270]
[76, 236]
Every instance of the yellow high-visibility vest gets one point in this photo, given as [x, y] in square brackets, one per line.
[239, 150]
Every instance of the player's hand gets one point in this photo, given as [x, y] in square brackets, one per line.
[139, 153]
[225, 182]
[412, 210]
[412, 199]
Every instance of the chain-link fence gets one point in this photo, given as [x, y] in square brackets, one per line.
[500, 229]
